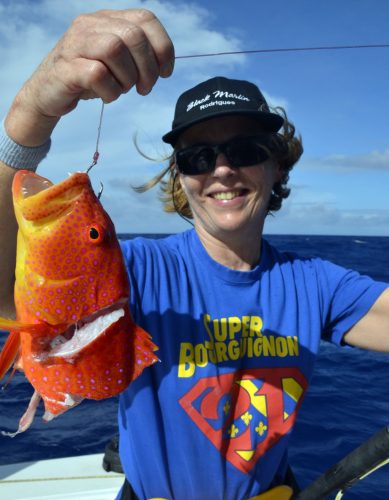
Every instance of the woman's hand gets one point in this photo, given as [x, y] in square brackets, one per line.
[101, 55]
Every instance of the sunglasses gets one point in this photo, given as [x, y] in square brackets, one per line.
[239, 151]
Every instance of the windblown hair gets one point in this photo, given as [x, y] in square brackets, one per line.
[285, 149]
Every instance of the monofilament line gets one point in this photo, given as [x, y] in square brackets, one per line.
[96, 153]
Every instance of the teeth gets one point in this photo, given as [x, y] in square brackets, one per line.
[230, 195]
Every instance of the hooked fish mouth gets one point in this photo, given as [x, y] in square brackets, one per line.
[81, 334]
[37, 198]
[32, 184]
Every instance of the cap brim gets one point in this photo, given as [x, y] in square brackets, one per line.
[271, 122]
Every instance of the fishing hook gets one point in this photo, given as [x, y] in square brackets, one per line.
[97, 154]
[101, 190]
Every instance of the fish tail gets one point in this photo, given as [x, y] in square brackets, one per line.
[144, 351]
[9, 353]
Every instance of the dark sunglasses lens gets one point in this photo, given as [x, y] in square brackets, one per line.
[245, 152]
[240, 152]
[196, 160]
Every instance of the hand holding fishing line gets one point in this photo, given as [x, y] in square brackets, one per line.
[102, 55]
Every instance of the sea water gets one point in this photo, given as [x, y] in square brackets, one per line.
[347, 402]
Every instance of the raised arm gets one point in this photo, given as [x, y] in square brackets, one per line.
[102, 55]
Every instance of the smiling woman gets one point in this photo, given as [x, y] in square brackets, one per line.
[283, 146]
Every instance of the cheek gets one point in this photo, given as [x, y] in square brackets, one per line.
[261, 176]
[272, 174]
[191, 186]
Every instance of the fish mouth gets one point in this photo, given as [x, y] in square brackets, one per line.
[31, 184]
[38, 198]
[84, 332]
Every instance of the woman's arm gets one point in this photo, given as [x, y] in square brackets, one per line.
[102, 55]
[372, 331]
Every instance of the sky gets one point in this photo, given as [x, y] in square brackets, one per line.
[338, 101]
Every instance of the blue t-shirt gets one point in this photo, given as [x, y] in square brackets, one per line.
[212, 420]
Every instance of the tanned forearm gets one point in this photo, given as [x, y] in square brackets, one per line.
[28, 128]
[8, 230]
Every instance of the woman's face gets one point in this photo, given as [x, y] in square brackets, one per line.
[228, 201]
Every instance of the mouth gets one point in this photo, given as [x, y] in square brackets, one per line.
[228, 195]
[81, 334]
[32, 184]
[38, 198]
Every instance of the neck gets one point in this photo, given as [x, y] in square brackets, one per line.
[241, 253]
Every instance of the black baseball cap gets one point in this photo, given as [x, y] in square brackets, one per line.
[221, 96]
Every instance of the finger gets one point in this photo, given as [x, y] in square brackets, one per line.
[87, 78]
[111, 50]
[101, 82]
[127, 55]
[144, 58]
[159, 40]
[121, 45]
[158, 37]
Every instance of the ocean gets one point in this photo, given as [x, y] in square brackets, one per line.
[347, 402]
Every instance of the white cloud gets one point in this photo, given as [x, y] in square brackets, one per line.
[326, 219]
[312, 211]
[376, 160]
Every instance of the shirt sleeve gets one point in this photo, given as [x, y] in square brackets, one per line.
[348, 296]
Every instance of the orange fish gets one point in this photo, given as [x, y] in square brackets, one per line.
[74, 337]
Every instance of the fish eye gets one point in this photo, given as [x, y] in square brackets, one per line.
[95, 233]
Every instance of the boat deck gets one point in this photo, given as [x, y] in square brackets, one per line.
[68, 478]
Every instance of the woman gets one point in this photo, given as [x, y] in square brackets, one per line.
[238, 325]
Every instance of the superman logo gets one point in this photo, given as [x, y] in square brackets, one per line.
[247, 412]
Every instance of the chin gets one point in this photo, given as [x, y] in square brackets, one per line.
[234, 227]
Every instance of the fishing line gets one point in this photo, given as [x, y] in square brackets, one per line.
[96, 153]
[237, 52]
[286, 49]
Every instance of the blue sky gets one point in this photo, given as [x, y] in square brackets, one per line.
[338, 101]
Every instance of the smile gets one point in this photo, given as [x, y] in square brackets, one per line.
[227, 195]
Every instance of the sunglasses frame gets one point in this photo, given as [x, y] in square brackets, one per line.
[189, 166]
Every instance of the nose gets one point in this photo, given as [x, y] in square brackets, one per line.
[222, 166]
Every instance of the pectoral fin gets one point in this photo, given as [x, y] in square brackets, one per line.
[9, 353]
[10, 350]
[144, 350]
[17, 326]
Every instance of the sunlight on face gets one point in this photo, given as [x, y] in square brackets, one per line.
[228, 200]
